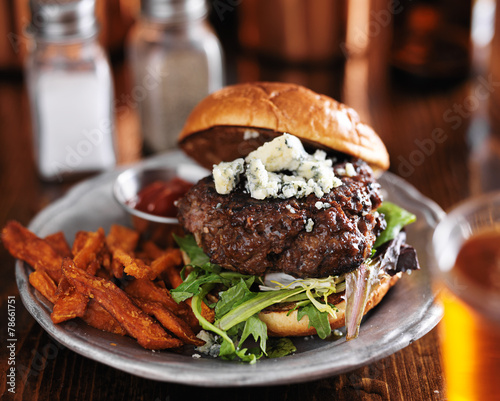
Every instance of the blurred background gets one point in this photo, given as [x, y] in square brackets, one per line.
[378, 56]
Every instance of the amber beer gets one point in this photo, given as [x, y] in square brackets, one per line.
[470, 329]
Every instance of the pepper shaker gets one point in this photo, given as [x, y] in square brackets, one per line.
[70, 89]
[176, 61]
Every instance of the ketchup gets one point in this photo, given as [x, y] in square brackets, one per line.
[158, 198]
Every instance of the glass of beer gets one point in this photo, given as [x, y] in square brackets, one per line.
[466, 246]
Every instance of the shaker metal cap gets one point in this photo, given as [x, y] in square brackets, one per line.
[63, 19]
[173, 10]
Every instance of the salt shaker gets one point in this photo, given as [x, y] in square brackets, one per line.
[70, 88]
[176, 61]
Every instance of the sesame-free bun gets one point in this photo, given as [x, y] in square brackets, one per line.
[237, 119]
[285, 324]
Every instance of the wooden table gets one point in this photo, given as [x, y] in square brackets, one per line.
[443, 167]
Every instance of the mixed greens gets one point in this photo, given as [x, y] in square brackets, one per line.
[396, 218]
[241, 297]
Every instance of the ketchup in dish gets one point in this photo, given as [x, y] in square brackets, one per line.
[159, 197]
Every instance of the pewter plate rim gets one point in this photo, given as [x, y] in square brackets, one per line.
[394, 324]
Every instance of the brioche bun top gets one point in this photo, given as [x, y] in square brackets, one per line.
[217, 128]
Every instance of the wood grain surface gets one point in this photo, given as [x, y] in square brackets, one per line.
[408, 121]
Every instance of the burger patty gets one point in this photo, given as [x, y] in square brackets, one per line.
[304, 237]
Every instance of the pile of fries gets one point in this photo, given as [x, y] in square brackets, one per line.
[115, 283]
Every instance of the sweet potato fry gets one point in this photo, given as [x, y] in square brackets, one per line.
[12, 231]
[69, 305]
[99, 318]
[132, 266]
[94, 315]
[152, 250]
[58, 242]
[116, 268]
[104, 258]
[206, 312]
[139, 325]
[69, 302]
[143, 257]
[149, 291]
[173, 275]
[79, 241]
[169, 259]
[170, 321]
[25, 245]
[120, 237]
[42, 282]
[102, 273]
[160, 283]
[90, 249]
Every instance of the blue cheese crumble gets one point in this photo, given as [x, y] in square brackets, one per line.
[309, 225]
[227, 175]
[211, 346]
[280, 168]
[322, 205]
[350, 171]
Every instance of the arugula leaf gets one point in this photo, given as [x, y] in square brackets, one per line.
[231, 298]
[317, 319]
[179, 296]
[198, 277]
[227, 346]
[196, 255]
[396, 218]
[257, 328]
[253, 326]
[279, 347]
[192, 285]
[236, 331]
[227, 349]
[249, 355]
[260, 301]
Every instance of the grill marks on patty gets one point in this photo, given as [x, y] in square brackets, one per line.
[254, 236]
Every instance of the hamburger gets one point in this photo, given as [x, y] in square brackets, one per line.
[290, 235]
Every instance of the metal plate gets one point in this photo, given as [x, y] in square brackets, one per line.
[404, 315]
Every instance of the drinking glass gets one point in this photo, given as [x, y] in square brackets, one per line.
[466, 246]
